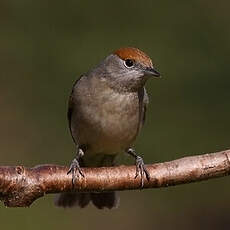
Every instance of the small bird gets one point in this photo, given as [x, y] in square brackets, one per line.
[106, 112]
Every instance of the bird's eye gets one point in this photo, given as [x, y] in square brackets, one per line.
[129, 63]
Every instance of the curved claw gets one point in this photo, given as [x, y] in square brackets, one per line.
[141, 170]
[140, 166]
[74, 168]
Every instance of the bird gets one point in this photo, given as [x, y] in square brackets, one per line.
[106, 111]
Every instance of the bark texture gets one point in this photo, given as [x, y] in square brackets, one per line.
[20, 186]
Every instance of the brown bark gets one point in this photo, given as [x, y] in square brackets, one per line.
[20, 186]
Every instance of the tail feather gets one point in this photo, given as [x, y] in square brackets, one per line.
[71, 199]
[105, 200]
[100, 200]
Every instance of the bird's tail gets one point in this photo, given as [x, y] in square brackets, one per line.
[100, 200]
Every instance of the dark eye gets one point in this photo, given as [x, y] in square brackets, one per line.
[129, 63]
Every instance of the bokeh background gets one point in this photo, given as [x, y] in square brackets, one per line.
[46, 45]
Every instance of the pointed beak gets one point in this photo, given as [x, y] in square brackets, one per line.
[151, 72]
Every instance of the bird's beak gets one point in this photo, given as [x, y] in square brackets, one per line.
[151, 71]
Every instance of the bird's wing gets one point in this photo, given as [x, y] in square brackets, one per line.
[71, 107]
[143, 102]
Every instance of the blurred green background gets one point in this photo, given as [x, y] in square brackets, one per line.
[46, 45]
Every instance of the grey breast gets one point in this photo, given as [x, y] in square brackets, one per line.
[105, 120]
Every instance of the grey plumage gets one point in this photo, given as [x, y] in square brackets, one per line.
[106, 112]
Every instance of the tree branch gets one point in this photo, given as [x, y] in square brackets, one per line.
[20, 186]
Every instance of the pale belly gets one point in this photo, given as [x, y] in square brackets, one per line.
[107, 127]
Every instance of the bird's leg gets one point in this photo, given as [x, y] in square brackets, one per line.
[140, 166]
[75, 168]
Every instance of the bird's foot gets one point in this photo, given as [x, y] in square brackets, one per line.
[75, 168]
[141, 170]
[140, 167]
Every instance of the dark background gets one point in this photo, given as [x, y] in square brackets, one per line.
[46, 45]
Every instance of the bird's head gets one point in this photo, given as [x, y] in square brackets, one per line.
[128, 68]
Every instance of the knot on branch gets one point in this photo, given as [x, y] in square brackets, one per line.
[18, 189]
[20, 186]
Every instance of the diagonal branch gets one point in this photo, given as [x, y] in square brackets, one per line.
[20, 186]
